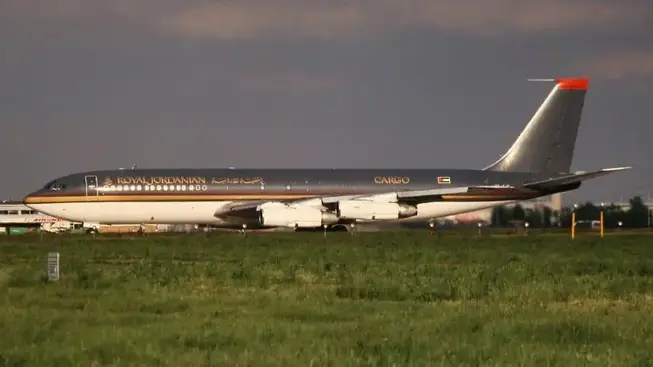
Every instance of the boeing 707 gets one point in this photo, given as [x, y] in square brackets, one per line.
[537, 164]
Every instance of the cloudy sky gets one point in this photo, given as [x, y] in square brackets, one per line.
[90, 84]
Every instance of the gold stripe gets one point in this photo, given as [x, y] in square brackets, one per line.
[144, 198]
[119, 198]
[483, 197]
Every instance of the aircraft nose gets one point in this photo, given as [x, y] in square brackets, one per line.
[30, 199]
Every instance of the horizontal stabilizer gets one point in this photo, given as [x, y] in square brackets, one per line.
[572, 179]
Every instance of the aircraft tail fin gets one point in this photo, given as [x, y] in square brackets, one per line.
[546, 145]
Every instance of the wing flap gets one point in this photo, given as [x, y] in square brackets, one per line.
[572, 179]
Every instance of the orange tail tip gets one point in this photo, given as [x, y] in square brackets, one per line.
[573, 83]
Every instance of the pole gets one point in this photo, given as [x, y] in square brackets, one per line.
[573, 222]
[602, 222]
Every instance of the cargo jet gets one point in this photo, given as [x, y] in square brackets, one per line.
[537, 164]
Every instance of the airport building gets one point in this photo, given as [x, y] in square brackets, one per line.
[554, 202]
[17, 218]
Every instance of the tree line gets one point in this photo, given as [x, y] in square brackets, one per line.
[637, 216]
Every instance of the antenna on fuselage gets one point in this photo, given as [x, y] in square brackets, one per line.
[541, 80]
[134, 166]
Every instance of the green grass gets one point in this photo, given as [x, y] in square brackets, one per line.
[395, 298]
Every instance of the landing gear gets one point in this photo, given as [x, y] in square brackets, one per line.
[328, 228]
[92, 231]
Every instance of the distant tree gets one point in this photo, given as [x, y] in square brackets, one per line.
[500, 216]
[637, 215]
[494, 218]
[534, 218]
[612, 215]
[556, 218]
[518, 213]
[564, 217]
[588, 211]
[547, 215]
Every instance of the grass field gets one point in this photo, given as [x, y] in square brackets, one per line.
[396, 298]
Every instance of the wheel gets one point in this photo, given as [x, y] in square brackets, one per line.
[92, 231]
[331, 228]
[339, 228]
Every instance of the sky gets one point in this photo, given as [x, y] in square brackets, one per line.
[90, 84]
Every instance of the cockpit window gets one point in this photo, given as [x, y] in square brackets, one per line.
[49, 185]
[54, 185]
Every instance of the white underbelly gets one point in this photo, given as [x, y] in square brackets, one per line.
[180, 212]
[441, 209]
[201, 212]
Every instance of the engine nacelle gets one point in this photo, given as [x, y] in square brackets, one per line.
[295, 217]
[370, 210]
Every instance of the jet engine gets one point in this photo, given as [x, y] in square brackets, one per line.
[297, 217]
[371, 210]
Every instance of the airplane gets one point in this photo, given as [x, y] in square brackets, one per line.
[537, 164]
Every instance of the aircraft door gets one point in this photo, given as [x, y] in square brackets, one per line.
[91, 185]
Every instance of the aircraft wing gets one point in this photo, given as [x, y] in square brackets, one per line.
[411, 197]
[571, 179]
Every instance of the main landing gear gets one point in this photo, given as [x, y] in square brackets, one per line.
[331, 228]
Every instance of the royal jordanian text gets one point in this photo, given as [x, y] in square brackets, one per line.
[192, 180]
[236, 180]
[159, 180]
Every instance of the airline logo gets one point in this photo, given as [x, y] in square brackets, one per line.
[444, 180]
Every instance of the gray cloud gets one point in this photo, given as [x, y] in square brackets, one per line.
[619, 64]
[289, 82]
[226, 19]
